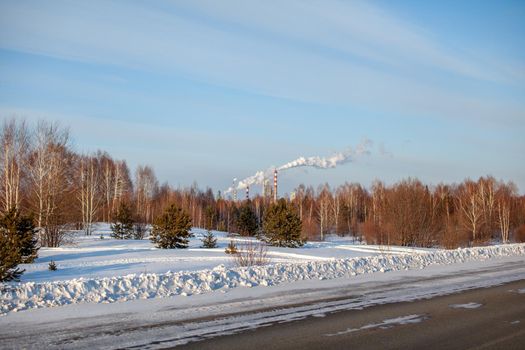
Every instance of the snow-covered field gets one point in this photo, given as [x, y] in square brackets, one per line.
[96, 270]
[93, 257]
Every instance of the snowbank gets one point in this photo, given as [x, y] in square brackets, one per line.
[22, 296]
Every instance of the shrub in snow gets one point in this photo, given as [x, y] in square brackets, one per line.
[171, 229]
[18, 244]
[251, 254]
[231, 248]
[122, 227]
[282, 226]
[52, 266]
[209, 240]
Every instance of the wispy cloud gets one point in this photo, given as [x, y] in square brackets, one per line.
[325, 52]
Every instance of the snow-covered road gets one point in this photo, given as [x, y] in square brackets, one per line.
[156, 323]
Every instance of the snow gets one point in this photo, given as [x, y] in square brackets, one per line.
[466, 306]
[92, 257]
[164, 322]
[388, 323]
[107, 271]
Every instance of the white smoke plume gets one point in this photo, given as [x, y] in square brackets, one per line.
[315, 162]
[329, 162]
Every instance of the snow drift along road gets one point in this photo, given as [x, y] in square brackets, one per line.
[22, 296]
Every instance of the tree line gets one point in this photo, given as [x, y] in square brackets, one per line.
[42, 176]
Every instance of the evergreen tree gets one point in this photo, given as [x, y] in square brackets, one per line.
[171, 229]
[18, 244]
[247, 220]
[9, 260]
[122, 227]
[52, 266]
[209, 240]
[282, 226]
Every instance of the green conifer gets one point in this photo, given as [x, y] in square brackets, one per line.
[122, 227]
[282, 226]
[247, 220]
[171, 229]
[209, 240]
[18, 244]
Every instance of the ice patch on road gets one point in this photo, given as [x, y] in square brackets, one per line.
[521, 291]
[515, 322]
[28, 295]
[465, 306]
[388, 323]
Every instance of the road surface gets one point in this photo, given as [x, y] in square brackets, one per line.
[357, 312]
[487, 318]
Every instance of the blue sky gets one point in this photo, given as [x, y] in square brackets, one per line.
[210, 90]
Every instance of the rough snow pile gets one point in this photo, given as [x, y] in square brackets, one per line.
[22, 296]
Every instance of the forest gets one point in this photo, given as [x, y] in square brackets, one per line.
[61, 190]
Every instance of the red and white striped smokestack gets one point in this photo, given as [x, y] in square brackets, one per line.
[247, 192]
[275, 185]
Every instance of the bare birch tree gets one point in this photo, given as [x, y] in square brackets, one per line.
[14, 139]
[49, 164]
[469, 207]
[146, 186]
[89, 190]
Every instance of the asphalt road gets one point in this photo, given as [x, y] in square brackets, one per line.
[498, 323]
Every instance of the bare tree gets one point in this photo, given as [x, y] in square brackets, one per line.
[146, 187]
[89, 190]
[122, 186]
[336, 208]
[323, 212]
[469, 207]
[487, 201]
[14, 139]
[504, 196]
[49, 168]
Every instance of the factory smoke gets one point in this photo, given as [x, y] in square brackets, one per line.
[332, 161]
[329, 162]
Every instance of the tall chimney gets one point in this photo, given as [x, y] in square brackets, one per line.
[275, 185]
[234, 190]
[247, 192]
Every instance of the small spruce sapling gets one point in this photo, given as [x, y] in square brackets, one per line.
[209, 241]
[122, 228]
[52, 266]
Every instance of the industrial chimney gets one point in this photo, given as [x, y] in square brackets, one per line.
[275, 185]
[234, 190]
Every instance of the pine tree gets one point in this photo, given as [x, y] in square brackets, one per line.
[122, 227]
[282, 226]
[18, 244]
[247, 221]
[209, 240]
[171, 229]
[9, 260]
[52, 266]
